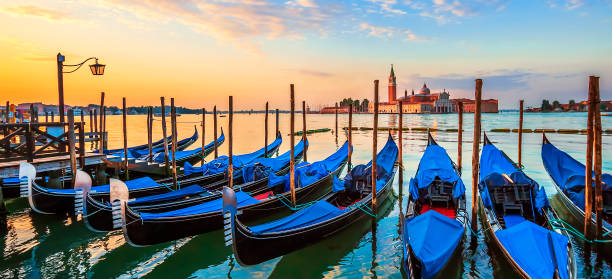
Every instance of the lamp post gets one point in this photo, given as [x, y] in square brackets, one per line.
[97, 69]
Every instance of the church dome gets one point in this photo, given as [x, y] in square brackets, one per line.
[424, 90]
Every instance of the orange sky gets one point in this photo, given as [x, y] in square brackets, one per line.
[202, 51]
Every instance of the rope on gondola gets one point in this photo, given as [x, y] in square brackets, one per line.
[287, 203]
[90, 214]
[397, 164]
[167, 186]
[562, 225]
[363, 207]
[518, 166]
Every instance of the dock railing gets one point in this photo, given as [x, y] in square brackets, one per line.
[29, 141]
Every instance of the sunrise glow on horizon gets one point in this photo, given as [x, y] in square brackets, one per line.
[199, 52]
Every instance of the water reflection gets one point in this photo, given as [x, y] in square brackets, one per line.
[57, 246]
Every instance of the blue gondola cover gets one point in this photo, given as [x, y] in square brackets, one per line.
[318, 212]
[433, 237]
[568, 174]
[272, 165]
[436, 163]
[323, 210]
[220, 164]
[134, 184]
[211, 206]
[531, 247]
[307, 173]
[186, 191]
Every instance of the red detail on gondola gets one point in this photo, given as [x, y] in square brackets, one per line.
[448, 212]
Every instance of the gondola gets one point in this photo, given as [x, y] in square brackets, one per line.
[568, 176]
[253, 178]
[516, 214]
[138, 147]
[48, 200]
[157, 167]
[433, 226]
[346, 204]
[141, 229]
[143, 153]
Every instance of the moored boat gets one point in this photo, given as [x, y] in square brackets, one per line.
[433, 226]
[253, 178]
[345, 205]
[140, 229]
[49, 200]
[516, 216]
[569, 180]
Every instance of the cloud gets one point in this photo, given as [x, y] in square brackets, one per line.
[455, 7]
[378, 31]
[303, 3]
[389, 32]
[568, 4]
[314, 73]
[386, 6]
[573, 4]
[31, 10]
[237, 22]
[447, 11]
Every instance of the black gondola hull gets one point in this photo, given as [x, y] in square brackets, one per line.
[48, 202]
[148, 232]
[250, 249]
[99, 215]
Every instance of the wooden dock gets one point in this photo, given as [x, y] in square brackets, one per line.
[45, 164]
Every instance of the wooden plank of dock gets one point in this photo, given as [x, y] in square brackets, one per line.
[52, 163]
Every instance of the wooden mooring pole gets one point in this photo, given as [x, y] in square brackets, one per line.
[150, 133]
[350, 137]
[374, 145]
[95, 125]
[174, 142]
[230, 167]
[400, 160]
[520, 135]
[597, 164]
[277, 128]
[266, 132]
[460, 137]
[304, 130]
[52, 115]
[291, 140]
[125, 148]
[101, 134]
[165, 135]
[91, 125]
[203, 133]
[336, 111]
[588, 191]
[475, 152]
[215, 130]
[71, 146]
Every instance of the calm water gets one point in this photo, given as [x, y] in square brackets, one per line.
[57, 246]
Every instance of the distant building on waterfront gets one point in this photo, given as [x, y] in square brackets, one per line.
[426, 102]
[332, 110]
[486, 106]
[570, 107]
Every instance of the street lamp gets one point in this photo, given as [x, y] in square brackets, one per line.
[97, 69]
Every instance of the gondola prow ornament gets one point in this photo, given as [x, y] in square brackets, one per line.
[82, 184]
[119, 196]
[230, 205]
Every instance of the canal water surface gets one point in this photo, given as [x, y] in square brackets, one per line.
[50, 246]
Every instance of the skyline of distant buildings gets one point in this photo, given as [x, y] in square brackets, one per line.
[426, 102]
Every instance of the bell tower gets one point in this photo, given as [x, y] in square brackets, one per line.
[392, 87]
